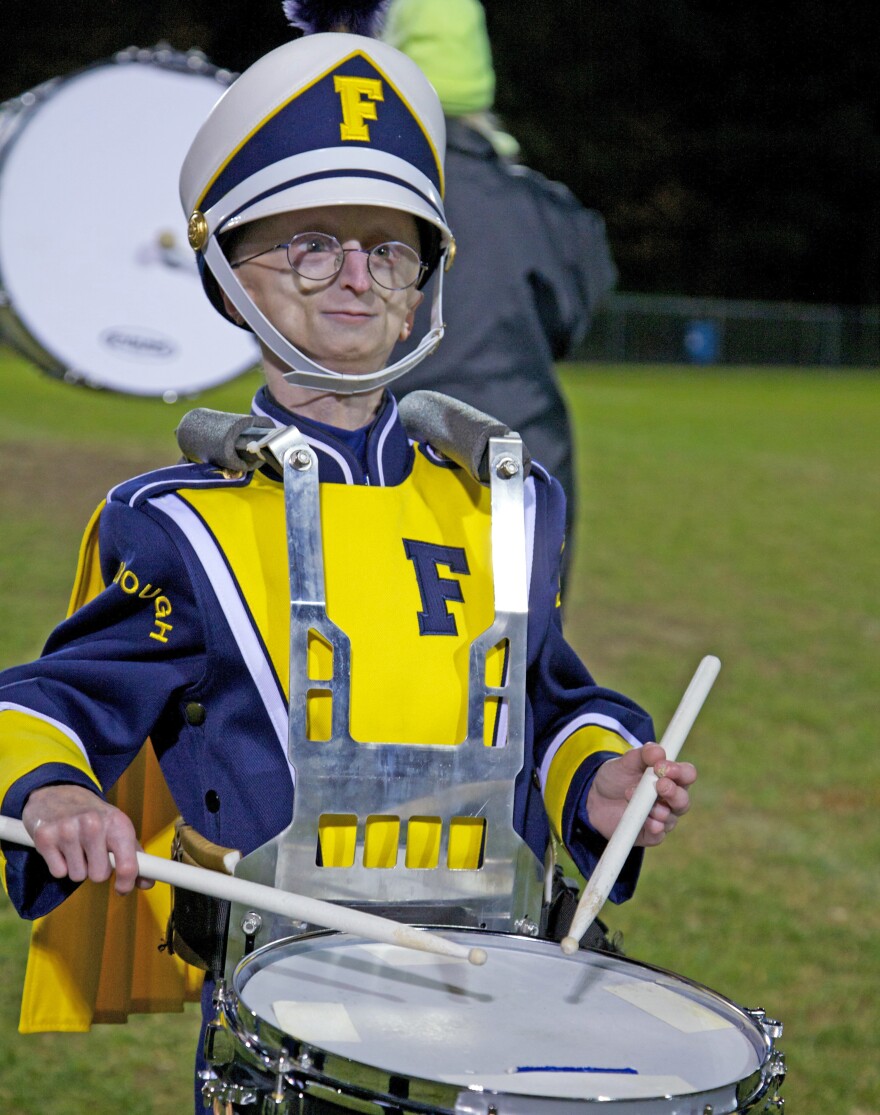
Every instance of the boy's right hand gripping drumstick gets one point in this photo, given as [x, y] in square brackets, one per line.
[636, 813]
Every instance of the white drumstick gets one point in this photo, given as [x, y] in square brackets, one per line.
[636, 813]
[296, 906]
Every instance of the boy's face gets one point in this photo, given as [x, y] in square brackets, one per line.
[347, 323]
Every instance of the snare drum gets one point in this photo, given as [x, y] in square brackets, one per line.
[97, 281]
[329, 1023]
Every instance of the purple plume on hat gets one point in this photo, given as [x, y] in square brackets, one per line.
[357, 18]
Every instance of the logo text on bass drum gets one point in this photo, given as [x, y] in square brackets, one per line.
[139, 344]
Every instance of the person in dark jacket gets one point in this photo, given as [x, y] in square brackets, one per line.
[532, 264]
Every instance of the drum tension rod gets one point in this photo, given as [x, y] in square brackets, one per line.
[251, 924]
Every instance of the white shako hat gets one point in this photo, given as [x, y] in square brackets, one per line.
[327, 119]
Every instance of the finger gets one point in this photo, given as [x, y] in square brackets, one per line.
[664, 821]
[685, 774]
[652, 834]
[660, 812]
[658, 824]
[126, 871]
[51, 853]
[61, 845]
[651, 754]
[121, 841]
[93, 839]
[674, 796]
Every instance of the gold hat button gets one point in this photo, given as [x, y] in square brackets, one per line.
[197, 231]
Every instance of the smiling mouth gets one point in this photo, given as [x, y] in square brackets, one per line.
[352, 315]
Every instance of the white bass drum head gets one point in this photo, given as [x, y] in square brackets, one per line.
[97, 281]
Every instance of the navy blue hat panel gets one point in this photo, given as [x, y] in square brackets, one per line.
[354, 105]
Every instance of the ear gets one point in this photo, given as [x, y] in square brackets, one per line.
[414, 303]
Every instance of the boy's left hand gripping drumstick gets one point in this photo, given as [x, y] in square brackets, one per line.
[296, 906]
[636, 813]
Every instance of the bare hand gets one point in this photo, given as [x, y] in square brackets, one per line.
[75, 830]
[616, 782]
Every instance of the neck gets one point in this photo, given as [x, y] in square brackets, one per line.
[345, 412]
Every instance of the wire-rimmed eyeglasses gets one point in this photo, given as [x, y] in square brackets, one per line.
[319, 256]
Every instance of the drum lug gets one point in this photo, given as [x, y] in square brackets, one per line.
[220, 1093]
[771, 1027]
[278, 1105]
[279, 1100]
[274, 1105]
[251, 924]
[219, 1048]
[777, 1069]
[526, 927]
[305, 1061]
[773, 1071]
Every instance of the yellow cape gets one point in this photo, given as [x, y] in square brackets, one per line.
[96, 957]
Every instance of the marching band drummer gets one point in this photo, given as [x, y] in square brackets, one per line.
[315, 188]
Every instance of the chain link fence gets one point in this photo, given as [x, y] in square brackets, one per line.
[662, 329]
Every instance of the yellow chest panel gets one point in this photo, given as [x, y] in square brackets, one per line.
[406, 686]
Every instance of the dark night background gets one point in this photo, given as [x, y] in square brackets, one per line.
[733, 149]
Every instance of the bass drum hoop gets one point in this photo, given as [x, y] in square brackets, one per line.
[310, 1070]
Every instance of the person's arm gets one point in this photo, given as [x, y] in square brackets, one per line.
[572, 269]
[592, 744]
[73, 720]
[582, 731]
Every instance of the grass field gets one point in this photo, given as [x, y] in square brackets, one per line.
[732, 512]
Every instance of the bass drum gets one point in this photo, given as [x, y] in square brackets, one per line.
[97, 281]
[327, 1023]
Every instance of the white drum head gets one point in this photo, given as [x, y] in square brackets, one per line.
[531, 1022]
[94, 260]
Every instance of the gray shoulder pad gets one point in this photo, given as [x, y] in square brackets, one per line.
[458, 431]
[216, 438]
